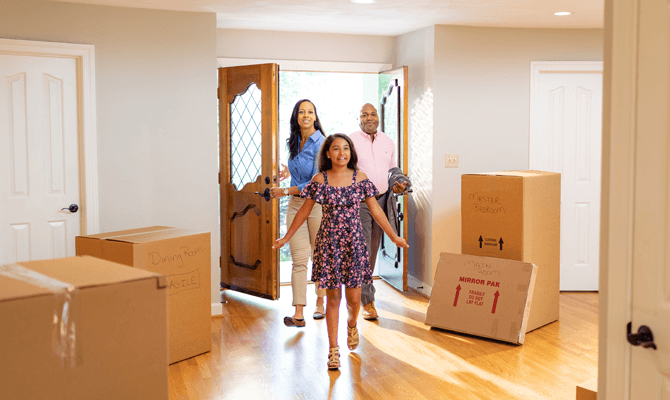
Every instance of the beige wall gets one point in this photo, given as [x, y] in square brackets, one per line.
[156, 109]
[481, 102]
[239, 43]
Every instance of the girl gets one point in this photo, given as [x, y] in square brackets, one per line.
[340, 254]
[303, 145]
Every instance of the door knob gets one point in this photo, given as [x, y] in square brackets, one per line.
[73, 208]
[643, 337]
[265, 194]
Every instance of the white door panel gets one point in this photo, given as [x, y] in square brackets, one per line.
[650, 369]
[567, 139]
[39, 175]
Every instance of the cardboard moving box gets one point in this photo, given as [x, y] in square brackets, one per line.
[81, 328]
[482, 296]
[587, 390]
[184, 256]
[516, 215]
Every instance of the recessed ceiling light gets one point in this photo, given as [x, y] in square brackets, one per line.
[563, 13]
[363, 1]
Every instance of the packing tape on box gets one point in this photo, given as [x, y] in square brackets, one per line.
[65, 309]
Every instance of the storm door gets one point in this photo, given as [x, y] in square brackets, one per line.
[391, 260]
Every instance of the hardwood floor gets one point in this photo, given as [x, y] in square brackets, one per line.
[254, 356]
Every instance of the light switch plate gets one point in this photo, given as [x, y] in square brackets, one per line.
[451, 161]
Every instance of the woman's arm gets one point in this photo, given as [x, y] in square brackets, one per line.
[279, 192]
[383, 222]
[298, 220]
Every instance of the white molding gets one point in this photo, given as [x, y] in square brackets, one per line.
[621, 44]
[84, 55]
[315, 66]
[543, 67]
[217, 309]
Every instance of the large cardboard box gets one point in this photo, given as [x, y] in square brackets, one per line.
[587, 390]
[516, 215]
[482, 296]
[184, 257]
[81, 328]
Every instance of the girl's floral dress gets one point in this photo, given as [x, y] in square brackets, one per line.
[340, 253]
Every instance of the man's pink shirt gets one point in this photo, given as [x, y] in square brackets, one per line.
[375, 158]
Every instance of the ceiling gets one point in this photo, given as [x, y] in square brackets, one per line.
[384, 17]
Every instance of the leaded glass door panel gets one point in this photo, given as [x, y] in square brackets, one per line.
[391, 260]
[248, 106]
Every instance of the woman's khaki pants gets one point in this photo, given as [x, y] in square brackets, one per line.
[301, 245]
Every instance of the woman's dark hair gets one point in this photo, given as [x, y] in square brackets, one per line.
[293, 141]
[325, 163]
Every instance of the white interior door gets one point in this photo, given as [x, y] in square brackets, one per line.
[39, 167]
[650, 369]
[566, 135]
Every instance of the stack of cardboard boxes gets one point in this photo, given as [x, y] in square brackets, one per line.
[89, 327]
[513, 215]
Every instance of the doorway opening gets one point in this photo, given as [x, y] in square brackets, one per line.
[338, 97]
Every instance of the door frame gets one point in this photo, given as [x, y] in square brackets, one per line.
[304, 66]
[617, 197]
[84, 56]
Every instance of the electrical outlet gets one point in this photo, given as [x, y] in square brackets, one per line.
[451, 161]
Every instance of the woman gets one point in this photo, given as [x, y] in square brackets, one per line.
[303, 144]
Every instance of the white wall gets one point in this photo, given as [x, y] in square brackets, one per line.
[481, 102]
[239, 43]
[156, 109]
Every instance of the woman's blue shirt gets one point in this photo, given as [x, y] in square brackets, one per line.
[304, 166]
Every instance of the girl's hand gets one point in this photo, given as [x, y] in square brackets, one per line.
[276, 192]
[400, 242]
[279, 243]
[284, 173]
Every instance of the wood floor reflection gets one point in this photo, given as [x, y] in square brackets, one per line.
[254, 356]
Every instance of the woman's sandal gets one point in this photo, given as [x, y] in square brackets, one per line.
[334, 358]
[318, 314]
[352, 337]
[290, 321]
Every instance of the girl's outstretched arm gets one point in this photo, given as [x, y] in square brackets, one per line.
[380, 217]
[300, 218]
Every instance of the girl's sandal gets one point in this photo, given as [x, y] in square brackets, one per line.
[334, 358]
[352, 337]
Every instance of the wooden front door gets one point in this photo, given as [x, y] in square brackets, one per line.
[391, 260]
[248, 131]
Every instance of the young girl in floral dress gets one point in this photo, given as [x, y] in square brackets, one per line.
[340, 254]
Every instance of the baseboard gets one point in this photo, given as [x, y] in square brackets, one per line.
[217, 309]
[422, 288]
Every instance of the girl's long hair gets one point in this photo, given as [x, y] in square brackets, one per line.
[325, 163]
[293, 141]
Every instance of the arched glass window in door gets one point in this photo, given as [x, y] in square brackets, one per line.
[245, 137]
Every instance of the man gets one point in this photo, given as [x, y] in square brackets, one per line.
[376, 156]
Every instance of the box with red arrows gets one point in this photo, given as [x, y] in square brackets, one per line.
[516, 215]
[482, 296]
